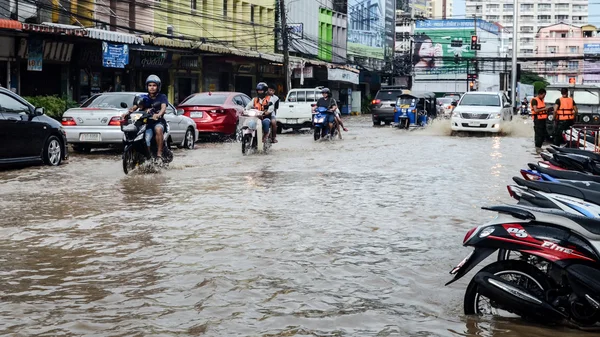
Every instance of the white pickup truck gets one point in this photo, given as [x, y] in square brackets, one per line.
[296, 111]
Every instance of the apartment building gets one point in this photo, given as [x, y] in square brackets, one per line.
[442, 9]
[532, 16]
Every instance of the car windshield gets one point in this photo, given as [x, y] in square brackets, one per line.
[109, 101]
[389, 95]
[444, 100]
[410, 101]
[552, 95]
[480, 100]
[205, 99]
[586, 97]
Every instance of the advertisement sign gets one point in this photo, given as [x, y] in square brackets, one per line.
[366, 28]
[591, 68]
[115, 55]
[390, 29]
[342, 75]
[307, 72]
[35, 54]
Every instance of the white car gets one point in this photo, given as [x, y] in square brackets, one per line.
[481, 112]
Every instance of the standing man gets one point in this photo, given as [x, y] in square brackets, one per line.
[539, 113]
[275, 101]
[565, 111]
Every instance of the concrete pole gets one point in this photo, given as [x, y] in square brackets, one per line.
[513, 91]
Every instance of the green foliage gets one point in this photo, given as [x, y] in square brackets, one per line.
[539, 85]
[531, 78]
[366, 104]
[54, 106]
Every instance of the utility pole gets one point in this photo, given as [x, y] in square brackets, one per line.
[475, 64]
[513, 89]
[286, 50]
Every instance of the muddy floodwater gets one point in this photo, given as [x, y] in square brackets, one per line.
[350, 238]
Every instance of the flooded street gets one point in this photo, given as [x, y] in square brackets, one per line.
[350, 238]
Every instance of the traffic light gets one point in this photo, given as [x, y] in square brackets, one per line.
[471, 85]
[474, 44]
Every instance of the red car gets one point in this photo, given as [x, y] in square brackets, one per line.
[215, 113]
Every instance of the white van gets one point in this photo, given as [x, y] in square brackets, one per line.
[296, 111]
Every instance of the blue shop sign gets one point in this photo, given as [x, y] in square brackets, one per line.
[115, 55]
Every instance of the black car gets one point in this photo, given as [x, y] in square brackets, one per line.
[27, 135]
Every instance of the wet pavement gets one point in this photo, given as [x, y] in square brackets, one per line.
[350, 238]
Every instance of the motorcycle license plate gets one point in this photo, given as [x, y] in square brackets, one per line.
[462, 263]
[135, 117]
[320, 120]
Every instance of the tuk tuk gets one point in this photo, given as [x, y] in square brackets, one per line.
[415, 109]
[587, 98]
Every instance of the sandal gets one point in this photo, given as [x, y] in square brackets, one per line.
[345, 129]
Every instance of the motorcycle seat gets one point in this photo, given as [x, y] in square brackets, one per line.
[590, 154]
[566, 174]
[586, 194]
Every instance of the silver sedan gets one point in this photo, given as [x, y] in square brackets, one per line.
[95, 124]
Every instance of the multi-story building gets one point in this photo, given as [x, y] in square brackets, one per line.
[564, 41]
[442, 9]
[532, 16]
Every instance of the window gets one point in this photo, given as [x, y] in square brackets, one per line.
[194, 4]
[246, 99]
[508, 7]
[573, 65]
[170, 109]
[311, 96]
[109, 101]
[526, 7]
[493, 18]
[480, 100]
[206, 99]
[251, 13]
[507, 18]
[561, 17]
[292, 97]
[551, 65]
[586, 97]
[302, 96]
[573, 50]
[9, 104]
[238, 100]
[544, 18]
[544, 7]
[224, 7]
[552, 50]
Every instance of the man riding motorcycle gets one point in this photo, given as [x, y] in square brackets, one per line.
[275, 100]
[329, 102]
[157, 126]
[261, 103]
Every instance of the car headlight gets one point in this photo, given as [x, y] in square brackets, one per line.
[586, 119]
[494, 116]
[456, 114]
[551, 118]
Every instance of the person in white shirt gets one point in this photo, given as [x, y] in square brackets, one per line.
[275, 101]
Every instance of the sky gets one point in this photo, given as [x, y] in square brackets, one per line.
[594, 7]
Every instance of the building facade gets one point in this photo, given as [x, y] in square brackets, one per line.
[532, 16]
[442, 9]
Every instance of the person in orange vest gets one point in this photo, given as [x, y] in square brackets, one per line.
[565, 111]
[539, 113]
[261, 103]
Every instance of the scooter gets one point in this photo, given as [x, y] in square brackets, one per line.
[135, 151]
[321, 129]
[252, 129]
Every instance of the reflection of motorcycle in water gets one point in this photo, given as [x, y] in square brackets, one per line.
[321, 127]
[135, 152]
[252, 132]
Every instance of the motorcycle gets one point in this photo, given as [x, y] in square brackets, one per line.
[546, 171]
[251, 129]
[524, 109]
[555, 281]
[135, 151]
[573, 161]
[321, 129]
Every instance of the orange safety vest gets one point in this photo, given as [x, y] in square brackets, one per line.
[261, 105]
[565, 111]
[540, 105]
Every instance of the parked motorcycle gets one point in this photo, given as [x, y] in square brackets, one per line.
[135, 152]
[321, 127]
[252, 131]
[556, 281]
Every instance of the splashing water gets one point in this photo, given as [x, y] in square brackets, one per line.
[518, 127]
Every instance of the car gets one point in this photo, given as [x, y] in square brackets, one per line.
[382, 106]
[445, 106]
[27, 135]
[95, 124]
[481, 112]
[453, 96]
[215, 113]
[295, 112]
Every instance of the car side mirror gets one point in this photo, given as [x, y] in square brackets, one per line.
[38, 111]
[123, 105]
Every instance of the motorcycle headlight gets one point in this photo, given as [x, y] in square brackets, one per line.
[586, 119]
[551, 118]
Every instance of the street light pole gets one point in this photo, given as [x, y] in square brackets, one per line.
[513, 88]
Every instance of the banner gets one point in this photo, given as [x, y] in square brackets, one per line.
[342, 75]
[591, 68]
[115, 55]
[431, 45]
[366, 28]
[35, 54]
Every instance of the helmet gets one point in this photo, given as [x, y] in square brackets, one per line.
[154, 79]
[262, 86]
[326, 91]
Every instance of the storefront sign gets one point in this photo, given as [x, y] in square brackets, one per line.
[187, 62]
[115, 55]
[307, 72]
[151, 59]
[245, 69]
[342, 75]
[35, 55]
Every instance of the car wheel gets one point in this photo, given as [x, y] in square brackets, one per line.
[189, 139]
[82, 149]
[376, 123]
[53, 151]
[279, 129]
[237, 135]
[388, 123]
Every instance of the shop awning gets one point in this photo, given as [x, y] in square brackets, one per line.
[10, 24]
[54, 28]
[107, 35]
[53, 50]
[167, 42]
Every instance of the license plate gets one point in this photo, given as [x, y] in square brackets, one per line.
[461, 264]
[135, 117]
[90, 137]
[474, 123]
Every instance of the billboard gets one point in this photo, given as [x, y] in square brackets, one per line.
[591, 68]
[366, 28]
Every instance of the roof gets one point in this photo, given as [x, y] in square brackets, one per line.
[558, 24]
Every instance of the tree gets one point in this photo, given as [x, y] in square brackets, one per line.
[528, 77]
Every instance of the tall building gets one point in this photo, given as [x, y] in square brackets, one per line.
[532, 16]
[442, 9]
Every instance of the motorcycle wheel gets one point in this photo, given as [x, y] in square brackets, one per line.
[129, 160]
[317, 134]
[537, 284]
[245, 144]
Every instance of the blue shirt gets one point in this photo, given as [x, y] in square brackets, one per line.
[148, 101]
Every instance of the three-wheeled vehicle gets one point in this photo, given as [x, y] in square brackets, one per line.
[415, 109]
[587, 98]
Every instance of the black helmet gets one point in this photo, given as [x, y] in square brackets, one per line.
[262, 86]
[154, 79]
[326, 91]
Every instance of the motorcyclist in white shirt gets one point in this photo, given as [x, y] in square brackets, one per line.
[275, 100]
